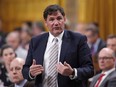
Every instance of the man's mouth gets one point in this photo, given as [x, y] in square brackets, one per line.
[56, 28]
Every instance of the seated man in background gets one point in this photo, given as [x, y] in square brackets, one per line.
[13, 39]
[38, 28]
[16, 74]
[111, 42]
[95, 43]
[81, 28]
[107, 78]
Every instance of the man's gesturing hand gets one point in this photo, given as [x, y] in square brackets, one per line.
[64, 69]
[36, 69]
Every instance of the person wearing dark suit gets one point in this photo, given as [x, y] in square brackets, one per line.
[16, 74]
[111, 42]
[106, 60]
[95, 43]
[74, 65]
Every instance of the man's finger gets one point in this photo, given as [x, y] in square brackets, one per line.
[34, 62]
[66, 64]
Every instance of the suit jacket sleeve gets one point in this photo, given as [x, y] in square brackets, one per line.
[85, 70]
[112, 82]
[28, 63]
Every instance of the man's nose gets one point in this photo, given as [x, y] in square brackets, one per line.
[14, 71]
[56, 22]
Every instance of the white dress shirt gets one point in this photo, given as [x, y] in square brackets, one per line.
[96, 44]
[46, 55]
[21, 84]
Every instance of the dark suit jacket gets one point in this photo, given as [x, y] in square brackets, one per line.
[101, 45]
[27, 84]
[74, 50]
[110, 80]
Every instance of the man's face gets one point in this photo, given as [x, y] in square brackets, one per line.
[15, 72]
[91, 38]
[105, 60]
[55, 23]
[111, 43]
[13, 40]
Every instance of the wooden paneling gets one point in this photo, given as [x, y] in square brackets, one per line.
[14, 12]
[101, 11]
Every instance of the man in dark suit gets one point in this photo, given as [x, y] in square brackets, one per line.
[111, 42]
[107, 78]
[16, 75]
[95, 43]
[74, 65]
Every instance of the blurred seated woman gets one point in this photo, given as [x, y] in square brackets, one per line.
[7, 55]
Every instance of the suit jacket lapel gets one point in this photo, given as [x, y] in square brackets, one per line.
[95, 80]
[65, 44]
[106, 79]
[41, 49]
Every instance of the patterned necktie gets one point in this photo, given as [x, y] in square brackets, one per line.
[53, 57]
[99, 80]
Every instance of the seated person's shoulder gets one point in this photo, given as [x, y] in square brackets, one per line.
[30, 84]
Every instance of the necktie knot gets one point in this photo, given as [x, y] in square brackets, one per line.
[101, 75]
[55, 40]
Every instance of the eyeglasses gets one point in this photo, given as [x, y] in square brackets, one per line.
[104, 58]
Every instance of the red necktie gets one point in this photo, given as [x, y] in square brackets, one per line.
[99, 80]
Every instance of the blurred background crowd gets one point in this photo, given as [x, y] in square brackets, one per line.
[20, 20]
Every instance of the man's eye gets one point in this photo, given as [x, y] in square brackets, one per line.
[59, 18]
[18, 68]
[51, 19]
[11, 53]
[11, 69]
[5, 54]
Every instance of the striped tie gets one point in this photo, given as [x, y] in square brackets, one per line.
[52, 73]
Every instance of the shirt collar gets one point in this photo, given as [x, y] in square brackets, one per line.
[21, 84]
[109, 71]
[59, 37]
[95, 44]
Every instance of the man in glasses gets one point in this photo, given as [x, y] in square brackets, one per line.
[107, 78]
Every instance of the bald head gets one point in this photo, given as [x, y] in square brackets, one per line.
[106, 59]
[13, 39]
[16, 70]
[19, 61]
[107, 51]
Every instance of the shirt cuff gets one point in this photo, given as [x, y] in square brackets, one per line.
[31, 76]
[75, 75]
